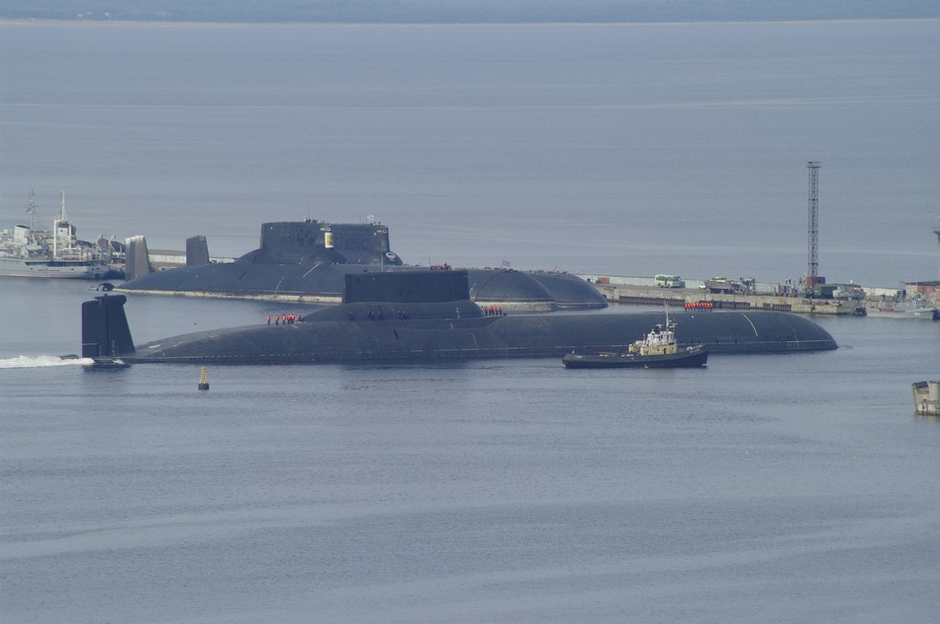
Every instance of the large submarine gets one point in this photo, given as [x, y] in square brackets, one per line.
[427, 315]
[307, 261]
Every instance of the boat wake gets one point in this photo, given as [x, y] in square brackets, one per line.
[41, 361]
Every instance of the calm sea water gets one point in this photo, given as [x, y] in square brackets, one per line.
[780, 487]
[774, 488]
[616, 149]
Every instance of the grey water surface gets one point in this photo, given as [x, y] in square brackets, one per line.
[796, 487]
[776, 488]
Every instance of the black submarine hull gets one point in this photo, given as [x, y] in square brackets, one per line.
[307, 262]
[323, 283]
[520, 336]
[426, 316]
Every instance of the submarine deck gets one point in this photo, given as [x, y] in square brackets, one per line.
[514, 336]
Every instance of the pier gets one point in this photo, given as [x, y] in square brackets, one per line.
[758, 296]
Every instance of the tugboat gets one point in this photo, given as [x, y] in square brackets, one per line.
[659, 349]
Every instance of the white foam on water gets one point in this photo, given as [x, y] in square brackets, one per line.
[41, 361]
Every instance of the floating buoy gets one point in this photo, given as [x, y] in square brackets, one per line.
[204, 380]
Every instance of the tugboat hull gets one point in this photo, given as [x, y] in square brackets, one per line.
[690, 358]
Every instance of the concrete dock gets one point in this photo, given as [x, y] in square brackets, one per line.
[631, 291]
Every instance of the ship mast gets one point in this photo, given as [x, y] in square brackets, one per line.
[31, 210]
[55, 229]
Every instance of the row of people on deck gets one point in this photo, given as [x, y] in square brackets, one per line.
[286, 319]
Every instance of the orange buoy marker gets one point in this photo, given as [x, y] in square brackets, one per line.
[204, 380]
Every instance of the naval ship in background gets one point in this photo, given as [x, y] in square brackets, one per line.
[30, 251]
[308, 261]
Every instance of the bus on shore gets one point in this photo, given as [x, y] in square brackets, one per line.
[664, 280]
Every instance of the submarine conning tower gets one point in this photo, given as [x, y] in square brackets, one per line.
[105, 332]
[294, 242]
[364, 243]
[404, 294]
[315, 240]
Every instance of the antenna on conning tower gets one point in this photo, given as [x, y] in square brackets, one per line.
[812, 270]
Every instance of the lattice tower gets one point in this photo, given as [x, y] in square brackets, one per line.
[812, 271]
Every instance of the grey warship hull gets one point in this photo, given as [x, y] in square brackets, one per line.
[423, 316]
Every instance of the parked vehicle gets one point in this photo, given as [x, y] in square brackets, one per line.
[664, 280]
